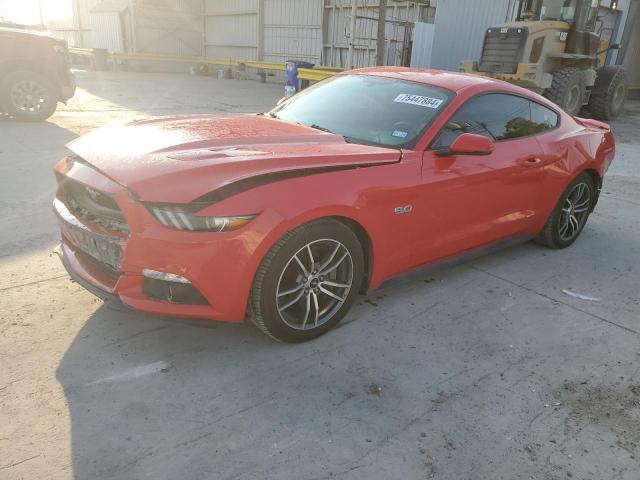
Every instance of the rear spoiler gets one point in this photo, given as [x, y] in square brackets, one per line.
[591, 123]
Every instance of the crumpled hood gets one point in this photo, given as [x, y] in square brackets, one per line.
[179, 159]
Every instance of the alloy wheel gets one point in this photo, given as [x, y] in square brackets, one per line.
[574, 211]
[29, 96]
[314, 284]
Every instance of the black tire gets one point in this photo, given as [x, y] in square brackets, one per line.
[551, 233]
[567, 89]
[44, 91]
[609, 93]
[266, 314]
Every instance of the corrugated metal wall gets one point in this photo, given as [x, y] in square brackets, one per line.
[460, 28]
[106, 31]
[422, 44]
[171, 30]
[292, 30]
[312, 30]
[398, 30]
[77, 30]
[231, 29]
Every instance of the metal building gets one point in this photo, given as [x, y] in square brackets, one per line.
[317, 31]
[459, 30]
[426, 33]
[170, 27]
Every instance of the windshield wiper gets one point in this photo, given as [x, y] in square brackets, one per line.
[325, 129]
[318, 127]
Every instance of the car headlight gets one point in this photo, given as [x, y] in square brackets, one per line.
[182, 219]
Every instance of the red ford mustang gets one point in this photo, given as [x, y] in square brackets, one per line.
[285, 217]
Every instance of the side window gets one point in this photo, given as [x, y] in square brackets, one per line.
[470, 118]
[499, 117]
[544, 118]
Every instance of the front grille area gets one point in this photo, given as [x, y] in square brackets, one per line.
[93, 206]
[102, 267]
[502, 50]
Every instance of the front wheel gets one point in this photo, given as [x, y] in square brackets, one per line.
[567, 89]
[28, 96]
[308, 281]
[570, 214]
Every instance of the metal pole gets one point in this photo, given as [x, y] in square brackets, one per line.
[132, 20]
[354, 10]
[40, 10]
[382, 23]
[260, 32]
[78, 15]
[203, 9]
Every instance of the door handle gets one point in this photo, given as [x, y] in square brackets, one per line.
[532, 162]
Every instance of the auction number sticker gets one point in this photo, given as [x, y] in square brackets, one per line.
[418, 100]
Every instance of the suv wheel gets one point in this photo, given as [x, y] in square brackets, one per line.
[28, 96]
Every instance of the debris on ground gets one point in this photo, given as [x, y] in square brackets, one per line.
[580, 296]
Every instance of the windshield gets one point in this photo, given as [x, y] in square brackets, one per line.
[563, 10]
[367, 109]
[582, 13]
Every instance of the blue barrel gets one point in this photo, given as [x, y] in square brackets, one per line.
[291, 68]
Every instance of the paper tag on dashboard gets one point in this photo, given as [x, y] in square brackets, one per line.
[418, 100]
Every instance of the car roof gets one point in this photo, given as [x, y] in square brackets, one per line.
[453, 81]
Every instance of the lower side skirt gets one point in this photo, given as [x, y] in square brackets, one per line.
[419, 272]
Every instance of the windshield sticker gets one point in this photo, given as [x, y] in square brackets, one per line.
[399, 134]
[418, 100]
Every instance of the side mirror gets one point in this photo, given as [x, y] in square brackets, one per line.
[468, 144]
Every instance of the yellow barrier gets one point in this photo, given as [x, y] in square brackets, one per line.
[81, 51]
[313, 74]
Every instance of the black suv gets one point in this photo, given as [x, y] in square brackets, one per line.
[34, 74]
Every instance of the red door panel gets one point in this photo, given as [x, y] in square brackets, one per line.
[467, 201]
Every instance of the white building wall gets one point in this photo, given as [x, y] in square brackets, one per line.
[292, 30]
[231, 29]
[317, 31]
[422, 51]
[77, 29]
[172, 30]
[106, 31]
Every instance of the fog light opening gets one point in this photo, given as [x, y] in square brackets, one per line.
[171, 288]
[165, 277]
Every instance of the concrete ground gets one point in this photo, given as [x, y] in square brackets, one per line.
[484, 371]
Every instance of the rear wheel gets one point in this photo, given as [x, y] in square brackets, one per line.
[308, 281]
[567, 89]
[609, 93]
[570, 214]
[28, 96]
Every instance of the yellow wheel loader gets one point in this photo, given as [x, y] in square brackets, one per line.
[556, 48]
